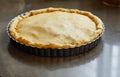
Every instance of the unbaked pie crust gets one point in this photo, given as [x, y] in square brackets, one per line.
[55, 28]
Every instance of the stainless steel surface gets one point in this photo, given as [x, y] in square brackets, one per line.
[102, 61]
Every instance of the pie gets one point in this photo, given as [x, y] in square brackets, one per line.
[55, 28]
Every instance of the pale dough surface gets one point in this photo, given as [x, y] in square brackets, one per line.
[56, 27]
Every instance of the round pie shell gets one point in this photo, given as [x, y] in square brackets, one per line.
[53, 52]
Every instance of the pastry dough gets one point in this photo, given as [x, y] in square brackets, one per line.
[56, 28]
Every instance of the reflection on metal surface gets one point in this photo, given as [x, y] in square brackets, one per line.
[109, 61]
[54, 63]
[118, 67]
[114, 63]
[104, 62]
